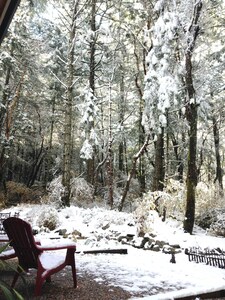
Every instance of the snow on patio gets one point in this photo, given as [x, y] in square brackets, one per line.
[145, 271]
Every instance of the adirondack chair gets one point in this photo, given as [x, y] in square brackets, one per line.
[8, 253]
[32, 255]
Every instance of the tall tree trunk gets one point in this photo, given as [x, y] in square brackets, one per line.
[141, 130]
[121, 109]
[159, 165]
[8, 119]
[133, 171]
[2, 123]
[4, 100]
[179, 160]
[36, 165]
[219, 171]
[48, 175]
[67, 146]
[192, 118]
[91, 161]
[192, 170]
[110, 155]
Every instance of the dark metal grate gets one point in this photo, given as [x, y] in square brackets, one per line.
[213, 257]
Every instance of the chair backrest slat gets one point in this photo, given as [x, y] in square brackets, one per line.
[3, 216]
[22, 240]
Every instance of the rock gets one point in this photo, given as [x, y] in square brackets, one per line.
[128, 237]
[149, 245]
[170, 250]
[156, 248]
[161, 244]
[61, 232]
[177, 246]
[106, 226]
[35, 231]
[122, 238]
[90, 241]
[144, 241]
[77, 233]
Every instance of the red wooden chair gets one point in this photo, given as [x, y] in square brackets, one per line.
[32, 255]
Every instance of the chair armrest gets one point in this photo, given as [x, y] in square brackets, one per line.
[4, 238]
[7, 254]
[57, 247]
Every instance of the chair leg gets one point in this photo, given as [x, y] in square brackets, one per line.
[39, 283]
[74, 274]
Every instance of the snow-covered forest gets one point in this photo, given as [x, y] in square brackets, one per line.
[118, 103]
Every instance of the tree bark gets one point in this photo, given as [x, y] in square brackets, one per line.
[180, 165]
[67, 146]
[91, 161]
[121, 109]
[36, 165]
[219, 171]
[132, 172]
[159, 165]
[192, 118]
[141, 130]
[110, 155]
[2, 122]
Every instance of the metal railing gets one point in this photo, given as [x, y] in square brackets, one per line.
[213, 257]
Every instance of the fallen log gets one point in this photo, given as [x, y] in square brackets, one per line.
[104, 251]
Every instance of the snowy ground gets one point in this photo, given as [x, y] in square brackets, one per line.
[139, 270]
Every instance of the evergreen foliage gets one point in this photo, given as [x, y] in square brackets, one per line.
[83, 83]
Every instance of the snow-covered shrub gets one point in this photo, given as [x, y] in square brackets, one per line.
[133, 193]
[168, 203]
[206, 218]
[48, 218]
[207, 198]
[218, 227]
[213, 220]
[55, 190]
[81, 191]
[175, 202]
[144, 214]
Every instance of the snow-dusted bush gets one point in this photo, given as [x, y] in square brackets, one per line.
[144, 214]
[48, 218]
[118, 190]
[169, 203]
[175, 202]
[55, 189]
[206, 218]
[207, 198]
[218, 228]
[213, 220]
[81, 191]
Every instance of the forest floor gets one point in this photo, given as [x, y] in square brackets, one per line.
[139, 274]
[61, 287]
